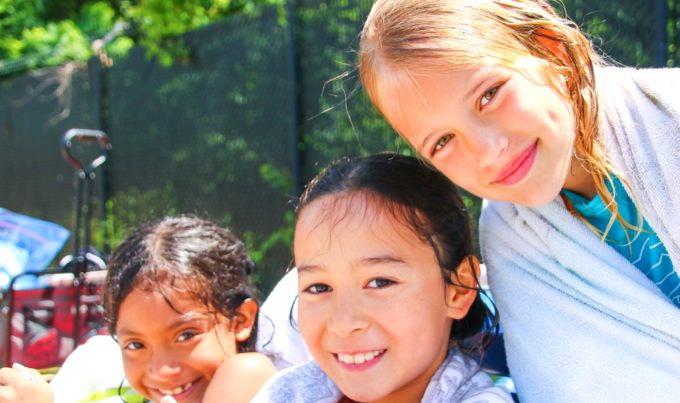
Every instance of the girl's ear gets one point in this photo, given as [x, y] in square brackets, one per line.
[242, 324]
[462, 293]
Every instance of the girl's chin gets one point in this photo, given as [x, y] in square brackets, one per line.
[533, 198]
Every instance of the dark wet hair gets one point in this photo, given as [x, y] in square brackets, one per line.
[429, 204]
[193, 256]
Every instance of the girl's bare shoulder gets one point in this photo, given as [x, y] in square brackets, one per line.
[247, 362]
[239, 378]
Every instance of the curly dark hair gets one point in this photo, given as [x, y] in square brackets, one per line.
[206, 262]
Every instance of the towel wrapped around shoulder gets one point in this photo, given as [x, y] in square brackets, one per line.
[458, 379]
[581, 323]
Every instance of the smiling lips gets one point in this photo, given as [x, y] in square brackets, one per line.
[178, 390]
[360, 358]
[518, 168]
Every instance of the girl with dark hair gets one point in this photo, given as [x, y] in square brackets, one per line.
[388, 290]
[179, 303]
[181, 310]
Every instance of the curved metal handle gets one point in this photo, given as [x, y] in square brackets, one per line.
[85, 135]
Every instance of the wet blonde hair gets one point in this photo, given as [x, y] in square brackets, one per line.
[401, 37]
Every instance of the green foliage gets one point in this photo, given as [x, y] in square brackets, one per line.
[622, 30]
[276, 177]
[32, 35]
[41, 33]
[673, 28]
[261, 247]
[96, 19]
[15, 16]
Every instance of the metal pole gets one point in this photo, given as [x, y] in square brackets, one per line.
[295, 96]
[99, 79]
[661, 13]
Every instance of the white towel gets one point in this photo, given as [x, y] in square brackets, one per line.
[457, 380]
[581, 323]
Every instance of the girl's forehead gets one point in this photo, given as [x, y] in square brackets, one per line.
[175, 296]
[337, 207]
[398, 90]
[392, 85]
[353, 210]
[172, 281]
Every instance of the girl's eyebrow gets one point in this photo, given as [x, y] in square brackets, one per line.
[125, 332]
[425, 141]
[184, 319]
[306, 267]
[189, 317]
[362, 262]
[481, 79]
[381, 259]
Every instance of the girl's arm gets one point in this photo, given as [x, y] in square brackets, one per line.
[239, 378]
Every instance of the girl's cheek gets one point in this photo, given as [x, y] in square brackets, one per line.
[309, 318]
[509, 101]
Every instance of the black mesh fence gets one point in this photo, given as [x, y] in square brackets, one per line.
[211, 137]
[262, 103]
[35, 110]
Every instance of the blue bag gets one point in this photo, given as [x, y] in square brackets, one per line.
[27, 244]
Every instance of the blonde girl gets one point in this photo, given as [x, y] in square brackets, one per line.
[579, 162]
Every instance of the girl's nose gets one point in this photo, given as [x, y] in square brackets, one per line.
[488, 146]
[347, 317]
[163, 365]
